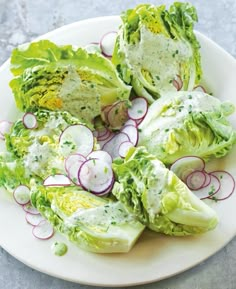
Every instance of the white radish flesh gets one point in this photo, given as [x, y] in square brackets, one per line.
[227, 185]
[29, 120]
[28, 208]
[196, 180]
[5, 127]
[210, 190]
[182, 167]
[33, 220]
[76, 138]
[100, 155]
[124, 148]
[132, 133]
[57, 180]
[107, 43]
[96, 176]
[112, 146]
[43, 230]
[139, 108]
[22, 194]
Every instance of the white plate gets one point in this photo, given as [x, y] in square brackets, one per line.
[154, 257]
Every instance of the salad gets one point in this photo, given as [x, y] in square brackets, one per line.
[114, 136]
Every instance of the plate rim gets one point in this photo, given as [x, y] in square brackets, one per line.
[73, 25]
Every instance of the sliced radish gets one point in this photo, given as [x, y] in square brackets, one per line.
[104, 113]
[33, 220]
[182, 167]
[100, 155]
[199, 88]
[124, 147]
[210, 190]
[106, 192]
[76, 138]
[22, 195]
[72, 166]
[96, 176]
[196, 180]
[102, 142]
[93, 47]
[132, 133]
[107, 43]
[29, 120]
[43, 230]
[112, 146]
[139, 108]
[5, 127]
[28, 208]
[58, 180]
[227, 185]
[117, 115]
[131, 122]
[104, 136]
[178, 83]
[208, 179]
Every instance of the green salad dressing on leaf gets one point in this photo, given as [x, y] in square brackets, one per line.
[59, 249]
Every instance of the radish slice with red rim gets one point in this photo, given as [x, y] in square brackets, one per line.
[132, 133]
[29, 120]
[72, 166]
[73, 159]
[117, 115]
[100, 155]
[208, 179]
[139, 108]
[178, 83]
[196, 180]
[210, 190]
[28, 208]
[76, 138]
[33, 220]
[130, 122]
[22, 195]
[199, 88]
[106, 192]
[102, 142]
[104, 136]
[43, 230]
[104, 113]
[124, 148]
[112, 146]
[5, 127]
[107, 43]
[96, 176]
[227, 185]
[58, 180]
[182, 167]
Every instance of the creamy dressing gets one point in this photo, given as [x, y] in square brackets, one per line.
[104, 216]
[162, 60]
[169, 113]
[59, 248]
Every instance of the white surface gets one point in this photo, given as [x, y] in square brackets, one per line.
[155, 256]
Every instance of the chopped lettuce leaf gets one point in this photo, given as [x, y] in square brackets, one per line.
[62, 78]
[93, 223]
[187, 123]
[159, 199]
[156, 46]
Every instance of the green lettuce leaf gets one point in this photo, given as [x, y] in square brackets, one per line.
[39, 148]
[156, 46]
[63, 78]
[12, 172]
[158, 198]
[93, 223]
[187, 123]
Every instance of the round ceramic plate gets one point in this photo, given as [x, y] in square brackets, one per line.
[155, 256]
